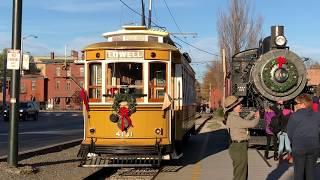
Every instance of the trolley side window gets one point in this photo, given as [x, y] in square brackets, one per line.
[95, 80]
[157, 81]
[124, 77]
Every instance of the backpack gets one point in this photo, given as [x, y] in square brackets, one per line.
[275, 124]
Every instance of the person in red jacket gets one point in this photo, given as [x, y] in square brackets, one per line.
[315, 103]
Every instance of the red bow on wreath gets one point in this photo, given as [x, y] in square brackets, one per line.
[124, 113]
[281, 60]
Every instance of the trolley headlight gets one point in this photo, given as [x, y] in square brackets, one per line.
[92, 130]
[159, 131]
[280, 40]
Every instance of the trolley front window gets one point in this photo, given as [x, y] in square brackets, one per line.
[123, 77]
[157, 81]
[95, 80]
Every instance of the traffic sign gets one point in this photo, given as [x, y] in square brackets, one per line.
[25, 62]
[13, 59]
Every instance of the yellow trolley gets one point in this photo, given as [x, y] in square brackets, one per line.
[141, 92]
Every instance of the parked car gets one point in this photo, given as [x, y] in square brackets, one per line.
[27, 110]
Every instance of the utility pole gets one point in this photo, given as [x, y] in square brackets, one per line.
[224, 75]
[143, 20]
[15, 86]
[150, 10]
[210, 95]
[4, 84]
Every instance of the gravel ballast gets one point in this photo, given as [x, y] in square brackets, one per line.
[57, 165]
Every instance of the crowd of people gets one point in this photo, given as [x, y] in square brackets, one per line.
[294, 130]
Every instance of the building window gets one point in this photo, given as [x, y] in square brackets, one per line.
[81, 71]
[68, 87]
[69, 72]
[33, 85]
[58, 71]
[22, 88]
[68, 100]
[57, 85]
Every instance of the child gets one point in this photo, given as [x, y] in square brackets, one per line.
[284, 142]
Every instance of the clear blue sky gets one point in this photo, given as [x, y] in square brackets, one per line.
[80, 22]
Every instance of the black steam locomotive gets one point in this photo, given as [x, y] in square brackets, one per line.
[269, 73]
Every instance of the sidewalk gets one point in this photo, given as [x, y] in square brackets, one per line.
[258, 168]
[208, 158]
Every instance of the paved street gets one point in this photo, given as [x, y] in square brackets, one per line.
[206, 157]
[51, 128]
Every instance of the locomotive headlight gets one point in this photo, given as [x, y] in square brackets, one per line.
[281, 75]
[280, 40]
[92, 130]
[159, 131]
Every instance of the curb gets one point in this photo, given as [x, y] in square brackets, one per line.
[45, 150]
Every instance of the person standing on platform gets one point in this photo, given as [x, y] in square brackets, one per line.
[239, 135]
[284, 142]
[303, 131]
[268, 114]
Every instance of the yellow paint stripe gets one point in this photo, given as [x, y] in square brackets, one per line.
[196, 171]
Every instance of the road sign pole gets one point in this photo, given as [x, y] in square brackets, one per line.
[15, 86]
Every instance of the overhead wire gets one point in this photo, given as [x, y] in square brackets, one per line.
[174, 20]
[199, 49]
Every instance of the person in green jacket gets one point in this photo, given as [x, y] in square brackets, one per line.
[239, 135]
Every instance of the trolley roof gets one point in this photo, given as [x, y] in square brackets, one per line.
[131, 45]
[136, 30]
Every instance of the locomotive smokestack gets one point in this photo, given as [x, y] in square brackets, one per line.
[276, 31]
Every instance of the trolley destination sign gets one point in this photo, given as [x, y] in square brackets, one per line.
[132, 54]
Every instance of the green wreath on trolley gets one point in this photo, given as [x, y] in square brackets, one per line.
[280, 87]
[122, 113]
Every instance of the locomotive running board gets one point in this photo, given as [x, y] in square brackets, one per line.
[122, 161]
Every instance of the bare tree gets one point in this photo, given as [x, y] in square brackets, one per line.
[237, 29]
[213, 78]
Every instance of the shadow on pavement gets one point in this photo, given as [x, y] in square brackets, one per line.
[279, 171]
[200, 146]
[283, 167]
[47, 163]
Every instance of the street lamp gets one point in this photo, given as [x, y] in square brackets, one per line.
[21, 53]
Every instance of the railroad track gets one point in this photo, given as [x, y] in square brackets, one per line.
[135, 173]
[125, 173]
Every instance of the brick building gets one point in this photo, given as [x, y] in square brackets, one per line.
[64, 84]
[313, 76]
[33, 87]
[56, 86]
[65, 76]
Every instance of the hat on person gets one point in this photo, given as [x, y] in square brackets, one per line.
[230, 102]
